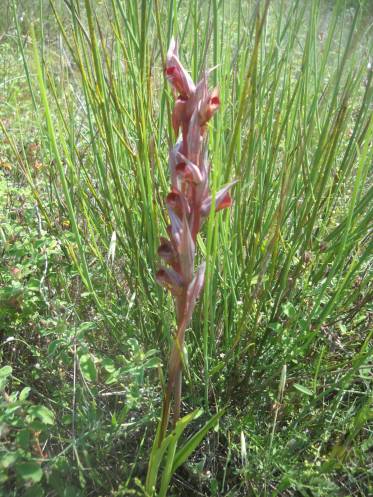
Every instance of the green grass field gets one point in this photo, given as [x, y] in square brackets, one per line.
[279, 348]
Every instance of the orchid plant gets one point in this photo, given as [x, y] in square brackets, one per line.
[188, 204]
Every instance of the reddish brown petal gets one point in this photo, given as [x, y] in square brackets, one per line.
[178, 115]
[202, 190]
[186, 251]
[193, 292]
[172, 161]
[209, 106]
[167, 251]
[175, 229]
[194, 139]
[170, 71]
[222, 200]
[177, 202]
[173, 201]
[182, 170]
[190, 169]
[225, 202]
[170, 279]
[176, 74]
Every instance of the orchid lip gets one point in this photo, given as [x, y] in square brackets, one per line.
[166, 250]
[189, 169]
[170, 279]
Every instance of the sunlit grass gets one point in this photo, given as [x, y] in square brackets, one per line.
[288, 278]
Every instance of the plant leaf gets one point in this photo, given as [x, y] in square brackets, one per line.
[5, 371]
[29, 471]
[43, 413]
[88, 367]
[168, 470]
[185, 451]
[24, 393]
[303, 389]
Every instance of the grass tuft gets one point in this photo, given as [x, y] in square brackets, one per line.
[281, 338]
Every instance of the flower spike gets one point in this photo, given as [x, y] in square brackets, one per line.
[188, 203]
